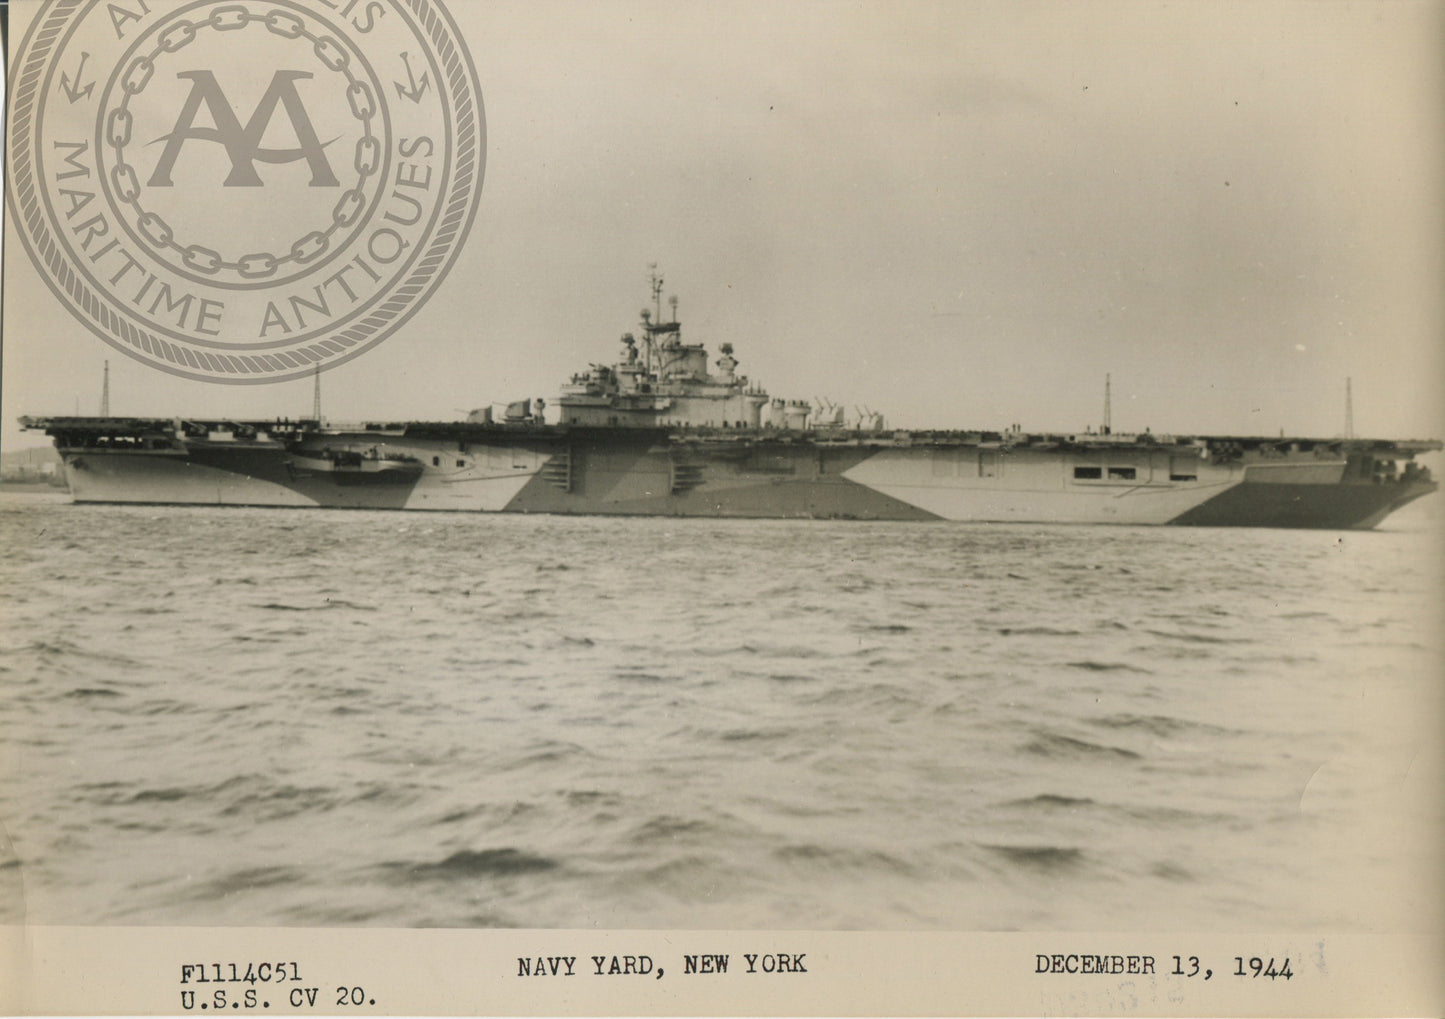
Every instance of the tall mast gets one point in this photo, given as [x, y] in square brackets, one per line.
[1107, 406]
[105, 393]
[1349, 411]
[651, 317]
[316, 396]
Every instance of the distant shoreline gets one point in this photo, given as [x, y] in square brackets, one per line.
[32, 488]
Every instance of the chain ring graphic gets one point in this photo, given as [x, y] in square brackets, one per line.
[134, 74]
[148, 284]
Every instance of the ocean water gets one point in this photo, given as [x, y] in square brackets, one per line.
[277, 717]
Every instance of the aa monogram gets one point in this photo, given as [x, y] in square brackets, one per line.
[244, 191]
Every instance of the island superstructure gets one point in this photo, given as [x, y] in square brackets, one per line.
[664, 431]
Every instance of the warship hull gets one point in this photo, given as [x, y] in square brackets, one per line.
[664, 431]
[979, 477]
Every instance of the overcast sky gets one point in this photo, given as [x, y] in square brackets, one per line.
[960, 215]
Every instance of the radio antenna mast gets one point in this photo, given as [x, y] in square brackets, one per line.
[105, 393]
[1107, 404]
[316, 397]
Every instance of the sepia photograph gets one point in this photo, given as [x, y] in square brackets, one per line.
[948, 467]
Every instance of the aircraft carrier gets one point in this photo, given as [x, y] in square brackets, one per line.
[665, 432]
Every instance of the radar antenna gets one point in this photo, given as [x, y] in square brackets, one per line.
[656, 281]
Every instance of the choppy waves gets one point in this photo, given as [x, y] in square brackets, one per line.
[315, 717]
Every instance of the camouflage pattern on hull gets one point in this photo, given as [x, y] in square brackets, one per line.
[1330, 507]
[644, 472]
[602, 475]
[665, 431]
